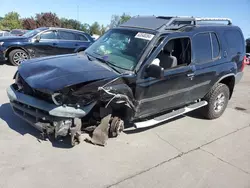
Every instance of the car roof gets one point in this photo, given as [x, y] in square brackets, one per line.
[168, 24]
[66, 29]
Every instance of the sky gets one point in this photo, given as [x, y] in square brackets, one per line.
[90, 11]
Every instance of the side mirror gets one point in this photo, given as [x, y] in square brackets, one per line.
[38, 38]
[155, 71]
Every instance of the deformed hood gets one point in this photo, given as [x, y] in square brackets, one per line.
[53, 73]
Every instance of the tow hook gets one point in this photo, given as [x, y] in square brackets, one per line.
[75, 132]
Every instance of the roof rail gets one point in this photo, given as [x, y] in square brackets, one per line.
[215, 19]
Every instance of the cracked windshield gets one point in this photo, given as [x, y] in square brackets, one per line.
[125, 94]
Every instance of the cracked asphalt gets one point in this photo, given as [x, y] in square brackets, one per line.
[185, 152]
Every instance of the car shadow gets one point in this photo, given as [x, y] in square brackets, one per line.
[20, 126]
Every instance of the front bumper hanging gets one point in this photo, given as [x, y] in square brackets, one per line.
[41, 114]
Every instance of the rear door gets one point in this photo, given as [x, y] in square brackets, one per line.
[206, 59]
[83, 41]
[68, 42]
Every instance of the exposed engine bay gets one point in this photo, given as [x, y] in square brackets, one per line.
[102, 106]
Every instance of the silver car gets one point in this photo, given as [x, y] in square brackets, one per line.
[4, 33]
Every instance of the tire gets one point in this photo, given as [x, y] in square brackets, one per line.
[16, 56]
[217, 100]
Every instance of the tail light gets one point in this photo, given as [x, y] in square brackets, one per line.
[244, 62]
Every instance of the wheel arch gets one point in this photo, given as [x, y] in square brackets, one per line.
[15, 48]
[228, 80]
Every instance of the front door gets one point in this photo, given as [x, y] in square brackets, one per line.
[47, 45]
[172, 91]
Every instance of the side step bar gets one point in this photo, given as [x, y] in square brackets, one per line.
[173, 114]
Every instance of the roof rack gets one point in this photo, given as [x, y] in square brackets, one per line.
[167, 22]
[180, 22]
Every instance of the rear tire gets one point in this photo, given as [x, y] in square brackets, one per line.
[217, 100]
[16, 56]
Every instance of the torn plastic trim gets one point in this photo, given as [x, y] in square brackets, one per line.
[52, 109]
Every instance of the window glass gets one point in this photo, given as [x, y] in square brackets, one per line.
[120, 48]
[67, 35]
[216, 47]
[234, 41]
[48, 35]
[82, 38]
[202, 48]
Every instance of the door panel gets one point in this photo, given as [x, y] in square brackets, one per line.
[47, 45]
[156, 95]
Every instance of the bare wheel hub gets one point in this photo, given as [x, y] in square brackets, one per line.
[219, 102]
[116, 127]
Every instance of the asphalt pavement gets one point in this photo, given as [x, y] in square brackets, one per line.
[186, 152]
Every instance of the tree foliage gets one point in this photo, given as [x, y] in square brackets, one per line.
[116, 20]
[70, 23]
[47, 19]
[29, 23]
[11, 21]
[95, 28]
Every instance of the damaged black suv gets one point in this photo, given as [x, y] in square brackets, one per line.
[146, 71]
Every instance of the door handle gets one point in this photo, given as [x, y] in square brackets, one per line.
[76, 44]
[54, 44]
[190, 74]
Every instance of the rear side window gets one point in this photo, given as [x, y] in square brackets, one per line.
[202, 48]
[215, 46]
[67, 35]
[82, 38]
[234, 42]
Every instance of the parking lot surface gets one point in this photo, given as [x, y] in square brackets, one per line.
[186, 152]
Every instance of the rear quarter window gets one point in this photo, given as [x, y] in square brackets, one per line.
[234, 41]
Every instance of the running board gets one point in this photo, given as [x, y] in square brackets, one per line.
[170, 115]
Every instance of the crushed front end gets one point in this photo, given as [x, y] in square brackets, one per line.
[72, 109]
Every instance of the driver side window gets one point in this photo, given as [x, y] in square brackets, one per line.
[176, 53]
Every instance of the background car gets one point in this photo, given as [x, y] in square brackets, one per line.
[248, 45]
[4, 33]
[18, 32]
[45, 41]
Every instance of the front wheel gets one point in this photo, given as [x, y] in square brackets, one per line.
[217, 100]
[17, 56]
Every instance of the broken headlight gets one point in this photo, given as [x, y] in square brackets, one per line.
[72, 100]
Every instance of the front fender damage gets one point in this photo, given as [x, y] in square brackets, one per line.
[115, 101]
[114, 104]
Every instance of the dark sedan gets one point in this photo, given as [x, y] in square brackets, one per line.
[42, 42]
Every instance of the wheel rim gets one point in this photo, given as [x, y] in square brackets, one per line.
[219, 103]
[19, 57]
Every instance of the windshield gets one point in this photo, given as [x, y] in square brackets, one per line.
[32, 33]
[121, 48]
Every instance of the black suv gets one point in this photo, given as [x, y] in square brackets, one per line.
[43, 41]
[144, 72]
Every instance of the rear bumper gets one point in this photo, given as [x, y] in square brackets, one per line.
[42, 114]
[238, 77]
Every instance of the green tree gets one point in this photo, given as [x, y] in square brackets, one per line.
[85, 27]
[11, 21]
[116, 20]
[70, 23]
[103, 29]
[95, 29]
